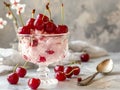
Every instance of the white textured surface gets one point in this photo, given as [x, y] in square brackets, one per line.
[107, 82]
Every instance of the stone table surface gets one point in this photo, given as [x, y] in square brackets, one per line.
[107, 82]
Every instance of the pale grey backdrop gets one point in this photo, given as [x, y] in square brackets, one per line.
[94, 21]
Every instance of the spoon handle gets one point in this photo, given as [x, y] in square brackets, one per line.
[87, 80]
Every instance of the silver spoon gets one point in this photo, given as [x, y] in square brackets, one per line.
[104, 67]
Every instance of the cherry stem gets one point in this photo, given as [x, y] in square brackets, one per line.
[48, 0]
[44, 14]
[33, 13]
[25, 63]
[72, 71]
[14, 18]
[14, 69]
[20, 16]
[62, 14]
[48, 9]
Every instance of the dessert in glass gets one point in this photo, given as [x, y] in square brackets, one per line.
[42, 43]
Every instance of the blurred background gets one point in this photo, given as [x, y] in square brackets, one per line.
[93, 21]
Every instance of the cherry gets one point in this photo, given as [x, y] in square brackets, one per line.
[40, 21]
[39, 24]
[60, 76]
[13, 78]
[25, 30]
[34, 83]
[43, 17]
[34, 43]
[50, 51]
[79, 79]
[42, 59]
[58, 68]
[68, 71]
[30, 23]
[85, 57]
[61, 29]
[21, 71]
[50, 27]
[76, 70]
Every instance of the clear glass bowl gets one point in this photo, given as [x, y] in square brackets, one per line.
[42, 50]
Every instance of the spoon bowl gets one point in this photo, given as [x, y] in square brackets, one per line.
[104, 67]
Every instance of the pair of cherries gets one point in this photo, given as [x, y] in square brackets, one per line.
[43, 24]
[13, 78]
[61, 72]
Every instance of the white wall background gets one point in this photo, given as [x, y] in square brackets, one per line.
[94, 21]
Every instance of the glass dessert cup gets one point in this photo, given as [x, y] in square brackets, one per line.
[42, 50]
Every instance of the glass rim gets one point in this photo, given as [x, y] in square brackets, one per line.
[50, 35]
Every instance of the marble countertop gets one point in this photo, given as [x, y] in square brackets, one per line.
[107, 82]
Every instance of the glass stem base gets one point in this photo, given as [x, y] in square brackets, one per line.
[46, 81]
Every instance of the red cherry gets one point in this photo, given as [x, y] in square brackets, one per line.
[58, 68]
[61, 29]
[50, 27]
[50, 52]
[25, 30]
[13, 78]
[42, 59]
[79, 79]
[34, 83]
[30, 23]
[39, 24]
[43, 17]
[34, 43]
[60, 76]
[40, 21]
[76, 70]
[21, 71]
[68, 71]
[85, 57]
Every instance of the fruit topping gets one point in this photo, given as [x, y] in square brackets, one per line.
[42, 17]
[31, 21]
[25, 30]
[40, 21]
[44, 25]
[50, 27]
[61, 29]
[39, 24]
